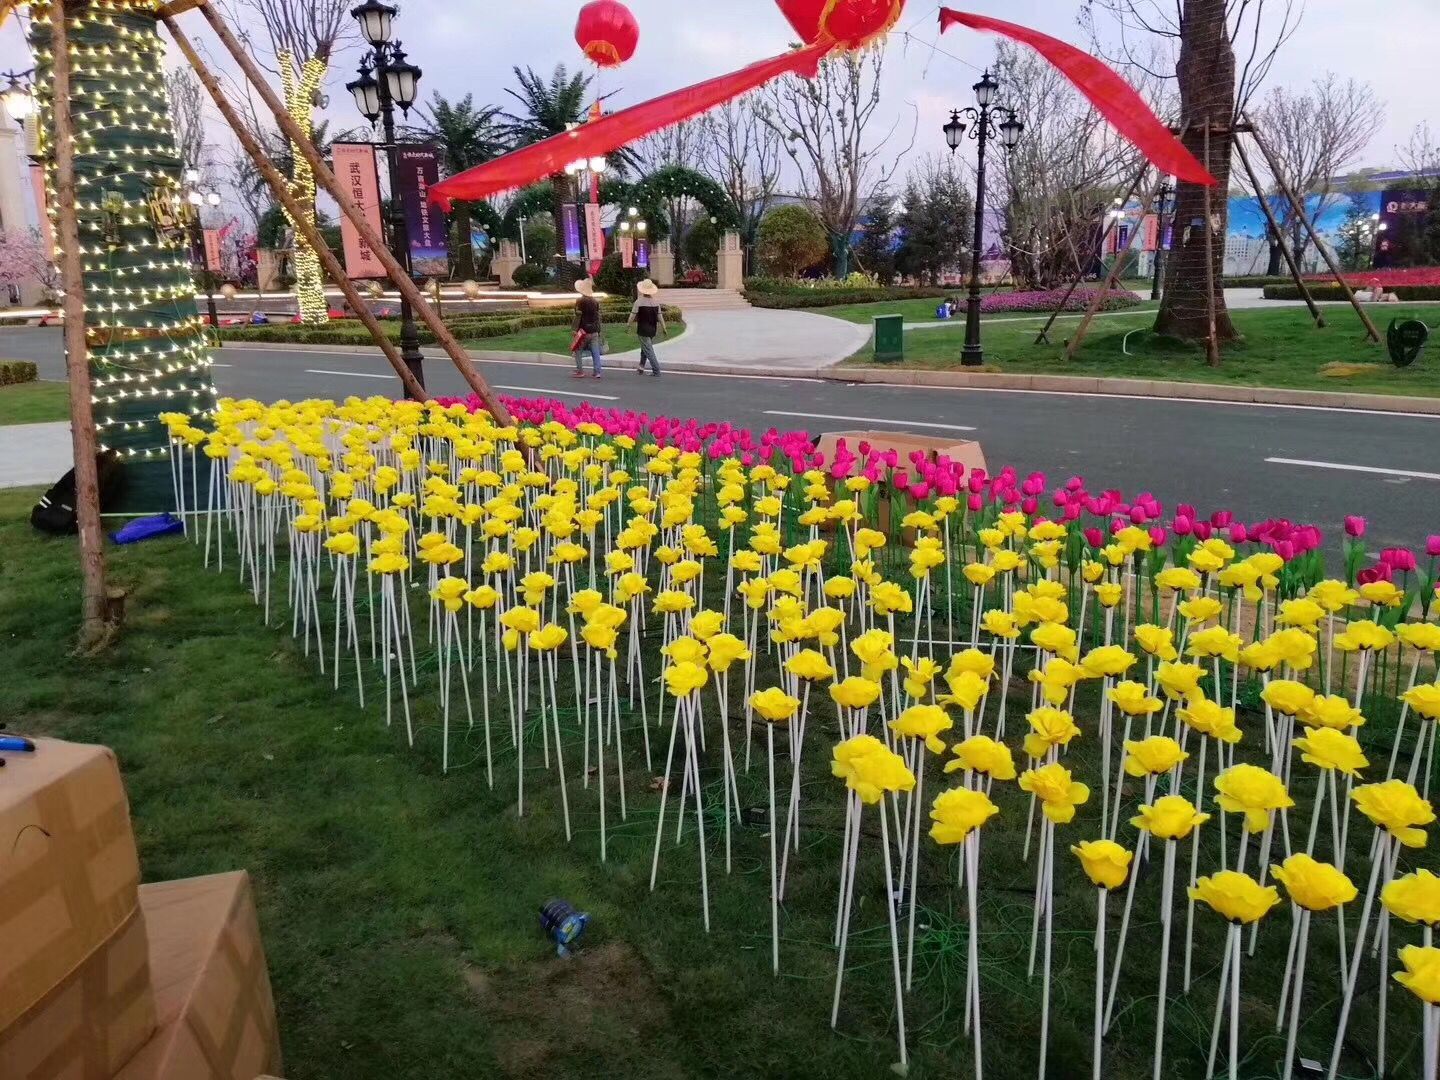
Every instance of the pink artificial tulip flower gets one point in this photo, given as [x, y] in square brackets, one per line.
[1203, 531]
[976, 503]
[1355, 526]
[1158, 536]
[1432, 546]
[1221, 519]
[1095, 538]
[1238, 534]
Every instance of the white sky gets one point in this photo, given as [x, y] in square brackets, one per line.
[470, 47]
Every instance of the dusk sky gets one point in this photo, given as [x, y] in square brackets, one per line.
[470, 48]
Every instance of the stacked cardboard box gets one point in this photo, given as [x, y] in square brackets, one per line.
[101, 977]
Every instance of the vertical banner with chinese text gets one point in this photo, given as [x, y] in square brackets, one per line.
[355, 169]
[418, 169]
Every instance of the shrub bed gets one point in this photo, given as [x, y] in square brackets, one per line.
[1335, 292]
[834, 297]
[1047, 300]
[352, 332]
[13, 372]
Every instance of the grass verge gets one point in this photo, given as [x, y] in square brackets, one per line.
[399, 905]
[34, 403]
[1281, 348]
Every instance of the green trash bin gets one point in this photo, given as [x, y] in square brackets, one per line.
[889, 338]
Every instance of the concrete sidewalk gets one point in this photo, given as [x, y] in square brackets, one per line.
[756, 341]
[34, 454]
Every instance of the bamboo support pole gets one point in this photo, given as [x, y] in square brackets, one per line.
[1111, 280]
[94, 627]
[1212, 337]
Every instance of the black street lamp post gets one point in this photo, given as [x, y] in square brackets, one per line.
[387, 80]
[199, 198]
[985, 122]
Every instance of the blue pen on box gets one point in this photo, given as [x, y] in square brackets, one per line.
[15, 742]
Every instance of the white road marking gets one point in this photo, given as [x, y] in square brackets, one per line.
[869, 420]
[1404, 473]
[544, 392]
[351, 374]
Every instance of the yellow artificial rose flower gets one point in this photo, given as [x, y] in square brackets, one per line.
[867, 541]
[1302, 612]
[1200, 609]
[845, 754]
[982, 754]
[1209, 718]
[980, 664]
[343, 544]
[1171, 817]
[672, 602]
[774, 705]
[1332, 711]
[1243, 576]
[923, 722]
[1314, 885]
[958, 812]
[1396, 807]
[966, 690]
[1330, 748]
[450, 592]
[684, 679]
[1055, 727]
[1032, 606]
[1153, 756]
[855, 692]
[824, 625]
[1108, 661]
[706, 624]
[1333, 596]
[1424, 699]
[1215, 641]
[1179, 680]
[1422, 972]
[811, 665]
[746, 562]
[1057, 679]
[1294, 647]
[1205, 561]
[1105, 862]
[631, 585]
[1383, 593]
[1092, 571]
[1235, 896]
[547, 639]
[1414, 898]
[723, 650]
[873, 775]
[1109, 594]
[1156, 641]
[684, 650]
[1422, 637]
[1260, 656]
[1287, 697]
[389, 563]
[1364, 635]
[887, 598]
[1132, 699]
[1000, 624]
[601, 638]
[874, 649]
[839, 588]
[919, 675]
[482, 598]
[1255, 792]
[1058, 791]
[1055, 639]
[1178, 579]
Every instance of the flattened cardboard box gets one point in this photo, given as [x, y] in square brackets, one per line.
[74, 982]
[212, 988]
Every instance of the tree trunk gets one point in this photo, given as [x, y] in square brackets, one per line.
[1275, 267]
[464, 250]
[310, 299]
[840, 247]
[1206, 74]
[560, 186]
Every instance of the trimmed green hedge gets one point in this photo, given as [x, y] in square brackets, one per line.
[471, 327]
[1335, 292]
[13, 372]
[1256, 281]
[817, 298]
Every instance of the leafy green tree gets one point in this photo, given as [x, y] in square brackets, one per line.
[466, 135]
[875, 251]
[792, 240]
[935, 222]
[544, 108]
[702, 244]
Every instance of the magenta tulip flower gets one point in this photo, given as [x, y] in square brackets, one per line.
[1238, 533]
[1432, 546]
[1355, 526]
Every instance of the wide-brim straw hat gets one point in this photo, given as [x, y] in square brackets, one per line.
[647, 288]
[585, 286]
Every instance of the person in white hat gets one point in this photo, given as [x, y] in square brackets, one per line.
[587, 329]
[648, 318]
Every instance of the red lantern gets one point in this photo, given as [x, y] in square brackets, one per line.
[851, 24]
[607, 32]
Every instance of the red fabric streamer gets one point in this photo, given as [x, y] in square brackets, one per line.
[1112, 96]
[550, 156]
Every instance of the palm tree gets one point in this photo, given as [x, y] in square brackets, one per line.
[467, 136]
[547, 108]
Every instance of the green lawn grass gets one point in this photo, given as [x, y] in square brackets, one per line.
[399, 906]
[34, 402]
[1281, 348]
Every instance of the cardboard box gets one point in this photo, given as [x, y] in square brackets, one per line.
[75, 997]
[212, 989]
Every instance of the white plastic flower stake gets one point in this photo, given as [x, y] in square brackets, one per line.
[685, 680]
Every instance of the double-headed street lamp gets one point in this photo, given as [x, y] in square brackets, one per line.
[634, 228]
[985, 122]
[17, 97]
[199, 197]
[586, 174]
[387, 80]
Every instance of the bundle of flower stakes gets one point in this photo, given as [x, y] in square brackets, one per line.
[702, 594]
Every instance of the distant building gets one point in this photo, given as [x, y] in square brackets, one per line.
[14, 199]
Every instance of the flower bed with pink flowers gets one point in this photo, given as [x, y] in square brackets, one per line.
[1047, 300]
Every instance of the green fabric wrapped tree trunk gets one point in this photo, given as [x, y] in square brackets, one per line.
[149, 354]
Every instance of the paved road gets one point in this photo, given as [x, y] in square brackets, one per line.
[1214, 455]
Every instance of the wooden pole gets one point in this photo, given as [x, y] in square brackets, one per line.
[326, 179]
[287, 199]
[1044, 336]
[94, 627]
[1212, 337]
[1299, 210]
[1111, 280]
[1290, 261]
